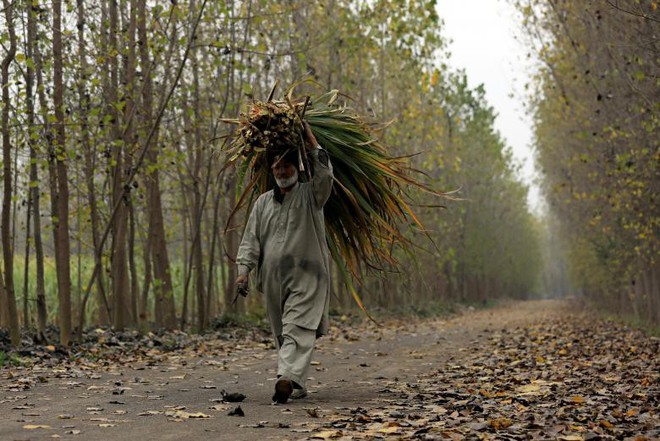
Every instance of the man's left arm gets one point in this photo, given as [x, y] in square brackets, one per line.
[322, 180]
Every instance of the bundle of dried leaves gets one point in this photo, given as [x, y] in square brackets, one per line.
[369, 211]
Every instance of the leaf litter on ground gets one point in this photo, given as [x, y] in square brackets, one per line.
[105, 349]
[572, 379]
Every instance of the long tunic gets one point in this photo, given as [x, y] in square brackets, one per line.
[285, 243]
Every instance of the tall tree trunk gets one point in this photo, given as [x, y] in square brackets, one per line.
[212, 298]
[119, 269]
[164, 308]
[187, 261]
[26, 264]
[234, 94]
[130, 143]
[7, 246]
[199, 195]
[60, 194]
[89, 154]
[135, 286]
[143, 306]
[119, 224]
[35, 195]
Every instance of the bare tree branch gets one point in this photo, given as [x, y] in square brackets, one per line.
[615, 5]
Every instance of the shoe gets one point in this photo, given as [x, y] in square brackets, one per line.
[283, 390]
[298, 393]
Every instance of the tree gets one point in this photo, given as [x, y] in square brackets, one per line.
[127, 111]
[156, 246]
[34, 192]
[596, 128]
[9, 294]
[60, 187]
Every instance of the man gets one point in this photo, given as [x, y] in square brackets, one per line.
[284, 242]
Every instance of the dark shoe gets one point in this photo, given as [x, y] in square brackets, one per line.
[283, 390]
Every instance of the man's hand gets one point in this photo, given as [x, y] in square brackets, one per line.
[242, 279]
[310, 139]
[242, 285]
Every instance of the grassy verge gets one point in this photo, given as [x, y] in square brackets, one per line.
[9, 359]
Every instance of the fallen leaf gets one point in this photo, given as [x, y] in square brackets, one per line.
[186, 415]
[528, 389]
[392, 429]
[236, 412]
[233, 397]
[251, 426]
[500, 423]
[327, 434]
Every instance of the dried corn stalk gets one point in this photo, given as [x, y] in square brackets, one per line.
[268, 125]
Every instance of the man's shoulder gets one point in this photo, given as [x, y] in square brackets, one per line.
[265, 197]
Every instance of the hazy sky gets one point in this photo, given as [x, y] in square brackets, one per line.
[483, 43]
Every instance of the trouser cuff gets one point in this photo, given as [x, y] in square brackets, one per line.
[299, 383]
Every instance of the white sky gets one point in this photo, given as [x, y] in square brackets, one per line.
[482, 34]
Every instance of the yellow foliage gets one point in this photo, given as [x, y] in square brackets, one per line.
[435, 77]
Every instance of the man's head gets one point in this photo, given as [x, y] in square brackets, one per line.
[284, 169]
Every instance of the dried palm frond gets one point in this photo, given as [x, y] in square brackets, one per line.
[368, 207]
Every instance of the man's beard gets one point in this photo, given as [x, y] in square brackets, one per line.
[287, 182]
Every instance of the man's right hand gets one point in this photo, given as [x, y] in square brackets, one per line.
[242, 285]
[242, 279]
[310, 139]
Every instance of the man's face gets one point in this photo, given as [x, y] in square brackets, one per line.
[283, 169]
[285, 173]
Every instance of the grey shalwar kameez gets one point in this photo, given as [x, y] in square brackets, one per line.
[285, 243]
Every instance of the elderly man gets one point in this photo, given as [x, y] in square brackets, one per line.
[284, 242]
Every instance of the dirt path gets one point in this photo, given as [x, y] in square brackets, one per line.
[180, 398]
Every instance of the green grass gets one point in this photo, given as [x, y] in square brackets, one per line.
[435, 308]
[78, 286]
[9, 359]
[628, 319]
[650, 329]
[256, 317]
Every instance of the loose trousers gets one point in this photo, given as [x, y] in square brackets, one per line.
[294, 352]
